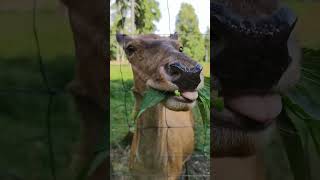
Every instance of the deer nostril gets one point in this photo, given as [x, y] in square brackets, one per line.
[197, 68]
[174, 69]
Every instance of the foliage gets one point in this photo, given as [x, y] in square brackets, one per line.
[207, 44]
[187, 26]
[118, 21]
[150, 98]
[146, 13]
[302, 107]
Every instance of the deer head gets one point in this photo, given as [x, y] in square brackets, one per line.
[159, 63]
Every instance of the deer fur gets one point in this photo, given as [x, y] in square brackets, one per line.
[88, 22]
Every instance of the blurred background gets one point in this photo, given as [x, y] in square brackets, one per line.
[26, 151]
[295, 152]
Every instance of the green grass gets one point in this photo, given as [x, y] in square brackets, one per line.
[17, 37]
[308, 27]
[23, 130]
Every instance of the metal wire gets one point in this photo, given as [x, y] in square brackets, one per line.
[49, 91]
[123, 84]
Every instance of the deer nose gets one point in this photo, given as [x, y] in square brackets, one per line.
[186, 78]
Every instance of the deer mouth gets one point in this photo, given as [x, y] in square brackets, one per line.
[187, 89]
[186, 101]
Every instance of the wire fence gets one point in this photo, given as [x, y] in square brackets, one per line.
[45, 90]
[123, 126]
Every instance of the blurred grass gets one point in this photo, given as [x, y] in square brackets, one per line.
[24, 147]
[24, 144]
[308, 26]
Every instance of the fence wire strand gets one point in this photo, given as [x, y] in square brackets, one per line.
[49, 92]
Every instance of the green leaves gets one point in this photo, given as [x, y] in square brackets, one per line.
[218, 103]
[177, 93]
[150, 98]
[302, 111]
[147, 12]
[204, 102]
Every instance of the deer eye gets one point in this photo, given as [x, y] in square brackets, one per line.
[181, 49]
[130, 50]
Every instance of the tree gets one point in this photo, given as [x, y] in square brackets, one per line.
[118, 23]
[187, 26]
[146, 13]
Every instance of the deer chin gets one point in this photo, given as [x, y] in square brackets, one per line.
[237, 135]
[178, 103]
[243, 124]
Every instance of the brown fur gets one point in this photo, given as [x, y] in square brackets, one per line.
[88, 24]
[164, 138]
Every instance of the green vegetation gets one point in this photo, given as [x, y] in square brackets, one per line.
[187, 26]
[301, 116]
[23, 133]
[146, 13]
[308, 27]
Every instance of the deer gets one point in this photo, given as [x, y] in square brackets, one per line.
[164, 136]
[88, 21]
[256, 58]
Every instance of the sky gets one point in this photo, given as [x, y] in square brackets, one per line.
[202, 8]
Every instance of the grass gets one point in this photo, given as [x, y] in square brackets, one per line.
[24, 144]
[308, 27]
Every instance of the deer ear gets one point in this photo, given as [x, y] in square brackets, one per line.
[174, 36]
[123, 39]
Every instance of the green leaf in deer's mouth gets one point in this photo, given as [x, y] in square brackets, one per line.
[151, 97]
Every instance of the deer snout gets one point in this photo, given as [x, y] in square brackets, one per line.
[185, 77]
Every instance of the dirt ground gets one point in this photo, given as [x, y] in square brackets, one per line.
[196, 168]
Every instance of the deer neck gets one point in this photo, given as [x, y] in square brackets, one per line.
[249, 168]
[153, 136]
